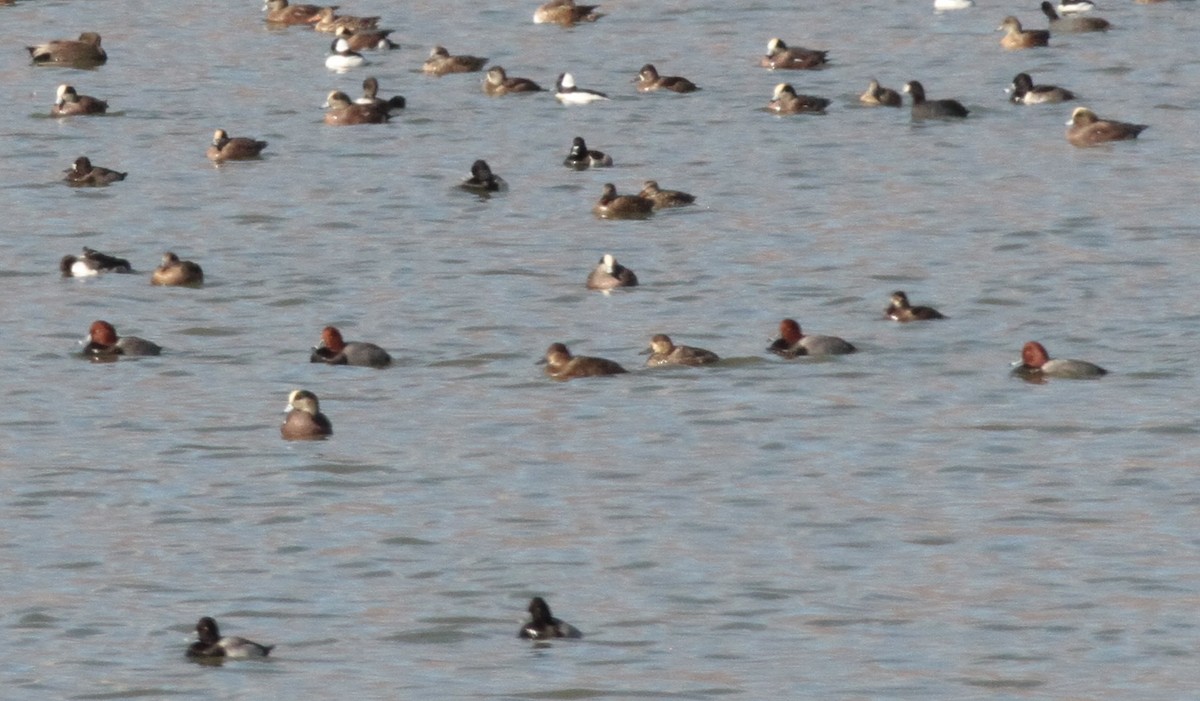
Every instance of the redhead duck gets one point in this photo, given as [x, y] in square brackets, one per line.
[1024, 92]
[1068, 7]
[785, 100]
[1017, 38]
[792, 343]
[779, 56]
[304, 420]
[342, 112]
[371, 97]
[663, 352]
[582, 158]
[482, 179]
[103, 344]
[67, 102]
[84, 52]
[648, 80]
[933, 109]
[440, 62]
[330, 23]
[343, 57]
[280, 12]
[83, 173]
[366, 39]
[561, 365]
[1036, 364]
[665, 198]
[614, 206]
[334, 351]
[566, 92]
[565, 12]
[92, 262]
[212, 646]
[498, 83]
[1074, 24]
[609, 274]
[900, 310]
[236, 148]
[879, 96]
[543, 625]
[1086, 129]
[176, 272]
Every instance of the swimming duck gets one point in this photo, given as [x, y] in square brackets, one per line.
[332, 350]
[237, 148]
[1017, 38]
[900, 310]
[83, 173]
[366, 39]
[498, 83]
[440, 62]
[84, 52]
[104, 344]
[582, 158]
[561, 365]
[948, 5]
[793, 344]
[1074, 24]
[614, 206]
[1036, 364]
[649, 80]
[566, 92]
[779, 56]
[878, 95]
[1024, 92]
[211, 645]
[609, 274]
[279, 12]
[371, 97]
[665, 198]
[1086, 129]
[92, 262]
[177, 273]
[543, 625]
[67, 102]
[343, 112]
[482, 179]
[343, 58]
[565, 12]
[304, 420]
[663, 352]
[933, 109]
[329, 22]
[1068, 7]
[786, 101]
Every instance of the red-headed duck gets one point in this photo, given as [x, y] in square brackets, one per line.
[648, 80]
[235, 148]
[367, 39]
[92, 262]
[67, 102]
[1017, 38]
[582, 158]
[1024, 92]
[176, 272]
[329, 22]
[543, 625]
[84, 52]
[83, 174]
[609, 274]
[663, 352]
[212, 646]
[1074, 24]
[482, 180]
[1036, 364]
[440, 62]
[614, 206]
[879, 96]
[900, 310]
[785, 100]
[1086, 129]
[343, 112]
[933, 109]
[665, 198]
[793, 344]
[104, 344]
[304, 420]
[779, 56]
[565, 12]
[561, 365]
[280, 12]
[334, 351]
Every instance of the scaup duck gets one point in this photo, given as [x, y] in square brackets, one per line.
[1036, 364]
[235, 148]
[498, 83]
[211, 645]
[1024, 92]
[1086, 129]
[785, 100]
[83, 173]
[92, 262]
[663, 352]
[177, 273]
[933, 109]
[482, 179]
[84, 52]
[440, 62]
[648, 80]
[780, 56]
[566, 92]
[582, 158]
[67, 102]
[665, 198]
[609, 274]
[102, 343]
[880, 96]
[793, 344]
[614, 206]
[543, 625]
[565, 12]
[1017, 38]
[900, 310]
[561, 365]
[1074, 24]
[304, 420]
[342, 112]
[332, 350]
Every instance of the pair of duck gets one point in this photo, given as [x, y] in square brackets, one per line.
[652, 197]
[172, 271]
[1017, 37]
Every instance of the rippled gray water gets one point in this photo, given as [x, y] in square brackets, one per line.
[908, 522]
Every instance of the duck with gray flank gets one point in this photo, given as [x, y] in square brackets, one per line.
[565, 12]
[543, 625]
[233, 148]
[792, 343]
[879, 96]
[482, 179]
[1036, 365]
[1015, 37]
[498, 83]
[781, 57]
[663, 199]
[328, 22]
[177, 273]
[568, 93]
[614, 206]
[648, 80]
[367, 39]
[933, 109]
[333, 350]
[371, 97]
[1024, 92]
[785, 100]
[1074, 24]
[582, 158]
[92, 262]
[211, 645]
[342, 112]
[609, 275]
[1086, 129]
[561, 365]
[103, 344]
[900, 310]
[83, 174]
[84, 52]
[663, 352]
[280, 12]
[67, 102]
[440, 62]
[304, 420]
